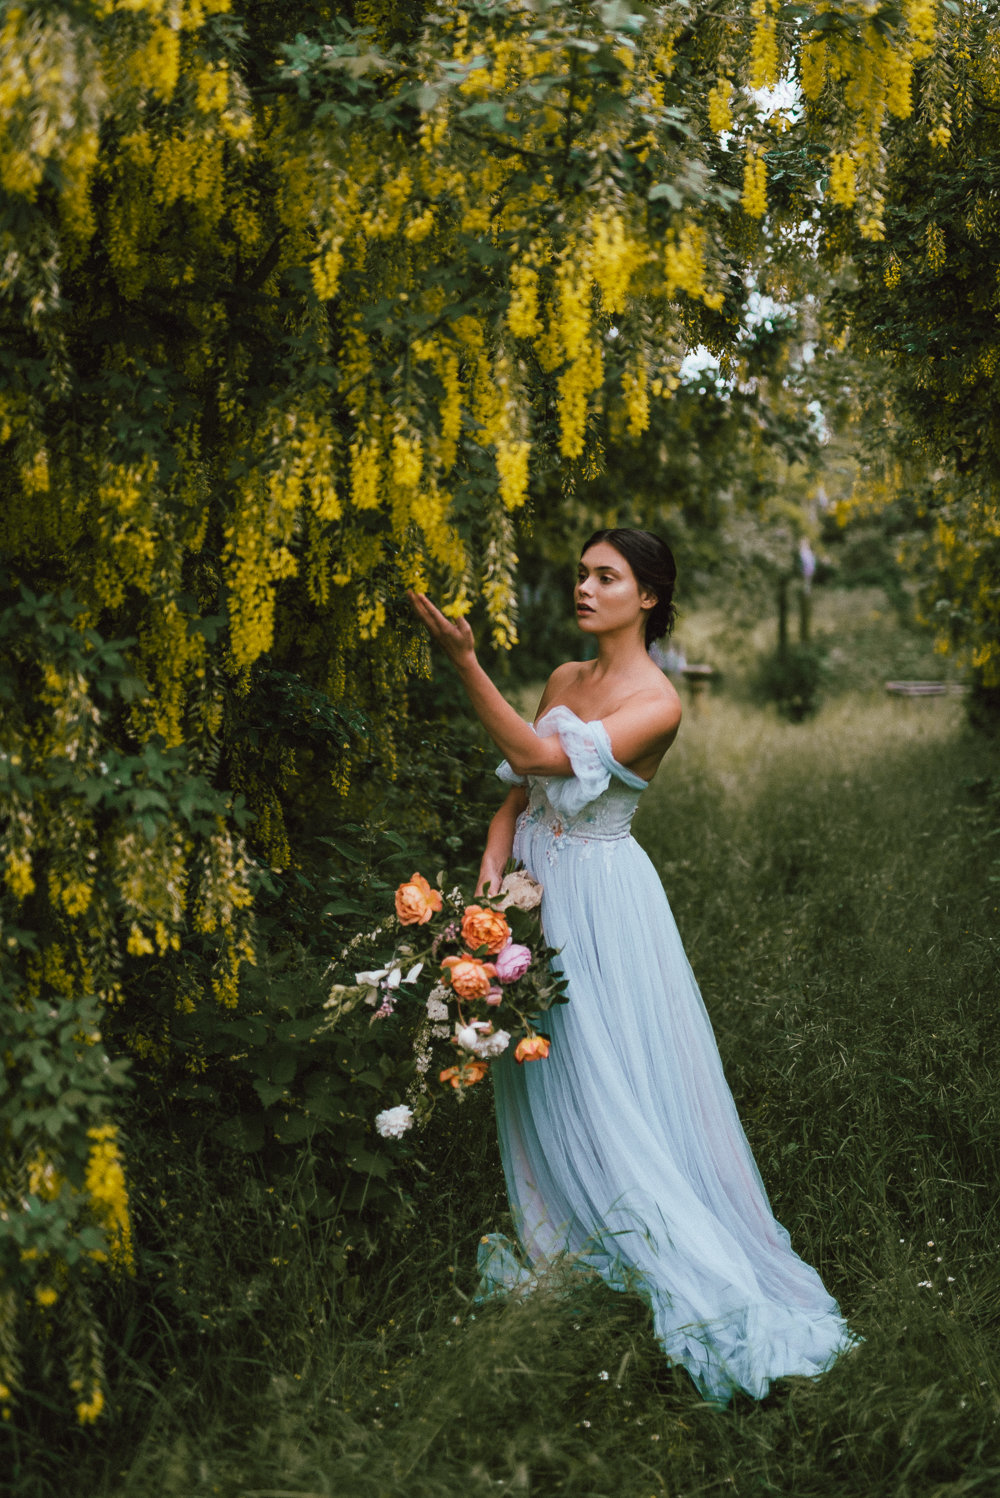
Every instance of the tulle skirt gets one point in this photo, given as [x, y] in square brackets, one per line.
[623, 1151]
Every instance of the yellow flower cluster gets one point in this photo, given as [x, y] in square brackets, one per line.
[935, 250]
[105, 1186]
[813, 69]
[753, 199]
[327, 266]
[635, 390]
[843, 181]
[512, 471]
[613, 259]
[366, 468]
[18, 876]
[44, 1180]
[764, 59]
[42, 60]
[89, 1410]
[522, 309]
[155, 64]
[305, 474]
[257, 557]
[151, 876]
[684, 261]
[720, 106]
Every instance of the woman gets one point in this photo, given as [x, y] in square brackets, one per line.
[624, 1148]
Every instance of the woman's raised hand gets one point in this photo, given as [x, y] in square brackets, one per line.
[453, 635]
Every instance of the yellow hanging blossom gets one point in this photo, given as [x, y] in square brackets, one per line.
[105, 1185]
[754, 197]
[842, 186]
[720, 110]
[764, 70]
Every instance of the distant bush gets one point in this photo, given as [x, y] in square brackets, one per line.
[793, 680]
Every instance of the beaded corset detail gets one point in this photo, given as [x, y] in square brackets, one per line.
[607, 818]
[596, 802]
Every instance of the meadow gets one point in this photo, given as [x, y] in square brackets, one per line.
[835, 883]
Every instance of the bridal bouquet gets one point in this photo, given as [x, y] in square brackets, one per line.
[469, 977]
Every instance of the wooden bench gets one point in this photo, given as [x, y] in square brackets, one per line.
[924, 688]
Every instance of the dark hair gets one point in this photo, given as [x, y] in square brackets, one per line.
[652, 562]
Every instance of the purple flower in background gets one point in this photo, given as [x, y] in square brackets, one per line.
[512, 962]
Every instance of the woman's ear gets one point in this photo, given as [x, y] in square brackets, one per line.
[647, 600]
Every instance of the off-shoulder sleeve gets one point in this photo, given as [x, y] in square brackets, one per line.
[569, 794]
[588, 749]
[509, 776]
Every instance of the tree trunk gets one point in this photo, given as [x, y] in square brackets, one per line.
[783, 616]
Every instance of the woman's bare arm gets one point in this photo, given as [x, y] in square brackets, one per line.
[500, 841]
[645, 725]
[517, 741]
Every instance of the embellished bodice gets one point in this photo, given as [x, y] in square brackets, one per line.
[594, 804]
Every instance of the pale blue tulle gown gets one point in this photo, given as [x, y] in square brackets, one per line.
[623, 1149]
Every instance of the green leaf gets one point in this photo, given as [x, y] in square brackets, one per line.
[291, 1128]
[666, 190]
[368, 1164]
[269, 1092]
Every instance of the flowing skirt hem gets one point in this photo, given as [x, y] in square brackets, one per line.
[745, 1350]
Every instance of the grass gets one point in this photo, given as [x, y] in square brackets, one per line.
[831, 883]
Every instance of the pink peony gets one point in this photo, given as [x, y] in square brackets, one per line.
[512, 962]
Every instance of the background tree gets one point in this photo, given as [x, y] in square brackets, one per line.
[289, 323]
[924, 312]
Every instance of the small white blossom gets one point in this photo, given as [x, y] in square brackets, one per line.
[467, 1036]
[392, 976]
[492, 1045]
[436, 1007]
[392, 1123]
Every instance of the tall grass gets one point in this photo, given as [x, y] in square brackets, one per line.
[830, 884]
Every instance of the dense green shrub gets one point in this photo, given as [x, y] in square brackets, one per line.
[792, 679]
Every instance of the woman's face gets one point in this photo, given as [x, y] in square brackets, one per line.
[608, 596]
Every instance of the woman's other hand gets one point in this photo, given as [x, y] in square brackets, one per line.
[454, 636]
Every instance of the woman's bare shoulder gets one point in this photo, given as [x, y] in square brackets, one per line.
[658, 698]
[560, 679]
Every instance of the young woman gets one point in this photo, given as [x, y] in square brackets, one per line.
[623, 1148]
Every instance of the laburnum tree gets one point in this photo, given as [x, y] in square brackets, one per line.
[923, 327]
[300, 306]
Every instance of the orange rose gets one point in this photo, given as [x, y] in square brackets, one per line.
[416, 902]
[469, 977]
[466, 1074]
[532, 1048]
[484, 928]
